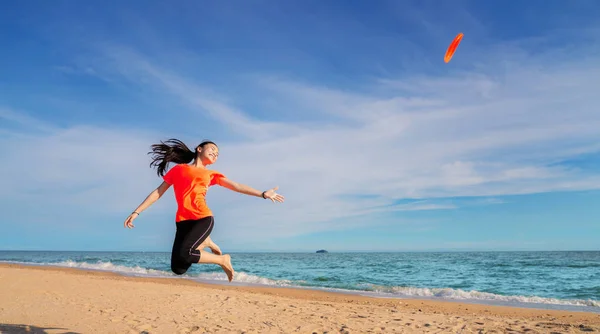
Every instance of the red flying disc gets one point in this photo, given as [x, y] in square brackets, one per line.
[452, 47]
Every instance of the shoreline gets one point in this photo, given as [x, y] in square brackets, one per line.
[306, 293]
[326, 290]
[296, 290]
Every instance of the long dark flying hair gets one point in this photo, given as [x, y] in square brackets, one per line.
[172, 150]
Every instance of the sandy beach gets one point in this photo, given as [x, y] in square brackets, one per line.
[57, 300]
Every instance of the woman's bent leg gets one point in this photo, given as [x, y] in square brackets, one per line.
[178, 265]
[189, 249]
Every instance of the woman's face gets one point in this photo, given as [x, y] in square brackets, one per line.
[209, 153]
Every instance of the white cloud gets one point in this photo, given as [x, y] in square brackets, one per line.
[490, 133]
[79, 169]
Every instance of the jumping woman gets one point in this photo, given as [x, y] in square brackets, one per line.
[194, 220]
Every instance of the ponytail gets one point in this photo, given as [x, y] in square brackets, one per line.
[173, 150]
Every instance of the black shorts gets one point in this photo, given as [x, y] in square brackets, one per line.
[190, 234]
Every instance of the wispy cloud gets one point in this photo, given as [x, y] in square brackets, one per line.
[21, 122]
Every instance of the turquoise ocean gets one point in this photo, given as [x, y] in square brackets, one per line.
[546, 280]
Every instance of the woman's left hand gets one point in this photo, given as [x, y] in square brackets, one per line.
[273, 196]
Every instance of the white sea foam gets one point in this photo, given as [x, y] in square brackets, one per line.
[458, 294]
[242, 277]
[108, 266]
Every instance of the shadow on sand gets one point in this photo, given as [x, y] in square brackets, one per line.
[28, 329]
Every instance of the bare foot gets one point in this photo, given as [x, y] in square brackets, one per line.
[227, 267]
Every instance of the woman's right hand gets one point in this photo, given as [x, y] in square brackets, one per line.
[129, 221]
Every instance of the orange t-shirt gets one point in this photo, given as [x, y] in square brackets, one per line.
[190, 185]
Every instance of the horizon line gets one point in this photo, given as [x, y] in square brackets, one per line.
[315, 251]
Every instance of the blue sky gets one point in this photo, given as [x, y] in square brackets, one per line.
[376, 143]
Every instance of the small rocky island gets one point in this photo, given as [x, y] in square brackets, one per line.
[322, 251]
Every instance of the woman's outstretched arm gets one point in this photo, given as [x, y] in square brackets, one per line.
[247, 190]
[150, 199]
